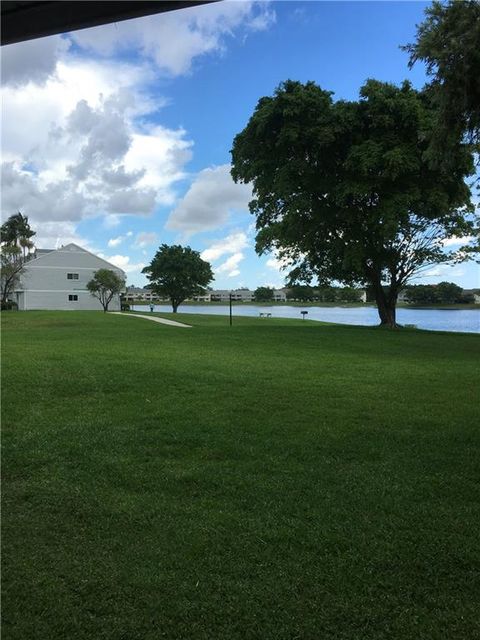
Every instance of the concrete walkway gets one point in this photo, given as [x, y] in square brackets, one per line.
[172, 323]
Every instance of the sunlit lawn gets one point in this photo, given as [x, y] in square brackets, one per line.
[273, 480]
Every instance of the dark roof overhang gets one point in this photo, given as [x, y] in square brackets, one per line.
[35, 19]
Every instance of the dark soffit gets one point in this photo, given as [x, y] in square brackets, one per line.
[30, 19]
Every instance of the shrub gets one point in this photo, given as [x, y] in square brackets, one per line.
[9, 305]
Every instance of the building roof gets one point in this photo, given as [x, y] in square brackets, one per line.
[65, 249]
[28, 19]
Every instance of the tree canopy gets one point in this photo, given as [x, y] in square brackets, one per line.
[15, 238]
[448, 41]
[302, 292]
[16, 231]
[263, 294]
[104, 285]
[178, 273]
[443, 293]
[11, 269]
[342, 190]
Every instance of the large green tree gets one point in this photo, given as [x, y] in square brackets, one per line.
[448, 42]
[104, 285]
[178, 273]
[343, 191]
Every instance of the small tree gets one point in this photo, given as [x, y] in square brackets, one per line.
[104, 285]
[12, 265]
[263, 294]
[15, 234]
[178, 273]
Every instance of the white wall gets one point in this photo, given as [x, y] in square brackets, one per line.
[45, 285]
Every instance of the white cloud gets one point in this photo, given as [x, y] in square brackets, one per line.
[32, 61]
[28, 129]
[233, 243]
[162, 153]
[132, 201]
[279, 264]
[22, 190]
[450, 242]
[123, 262]
[280, 267]
[52, 235]
[111, 221]
[432, 273]
[443, 271]
[78, 139]
[210, 199]
[114, 242]
[145, 239]
[230, 266]
[173, 40]
[81, 151]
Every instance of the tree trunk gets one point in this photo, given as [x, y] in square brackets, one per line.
[174, 307]
[386, 306]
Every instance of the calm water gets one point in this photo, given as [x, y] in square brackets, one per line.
[467, 320]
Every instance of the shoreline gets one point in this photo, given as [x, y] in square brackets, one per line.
[343, 305]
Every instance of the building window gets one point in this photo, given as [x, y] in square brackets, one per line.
[72, 276]
[73, 297]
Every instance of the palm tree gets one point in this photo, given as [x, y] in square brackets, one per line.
[26, 245]
[16, 228]
[16, 232]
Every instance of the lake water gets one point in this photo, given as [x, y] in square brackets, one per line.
[466, 320]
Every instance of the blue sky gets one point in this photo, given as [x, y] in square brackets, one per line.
[118, 137]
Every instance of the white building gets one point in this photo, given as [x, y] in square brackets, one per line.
[238, 295]
[243, 295]
[472, 292]
[57, 279]
[135, 293]
[280, 295]
[206, 297]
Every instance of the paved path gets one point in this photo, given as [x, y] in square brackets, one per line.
[172, 323]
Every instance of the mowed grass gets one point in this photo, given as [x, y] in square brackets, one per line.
[277, 479]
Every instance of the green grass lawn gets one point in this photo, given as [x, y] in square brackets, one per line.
[274, 480]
